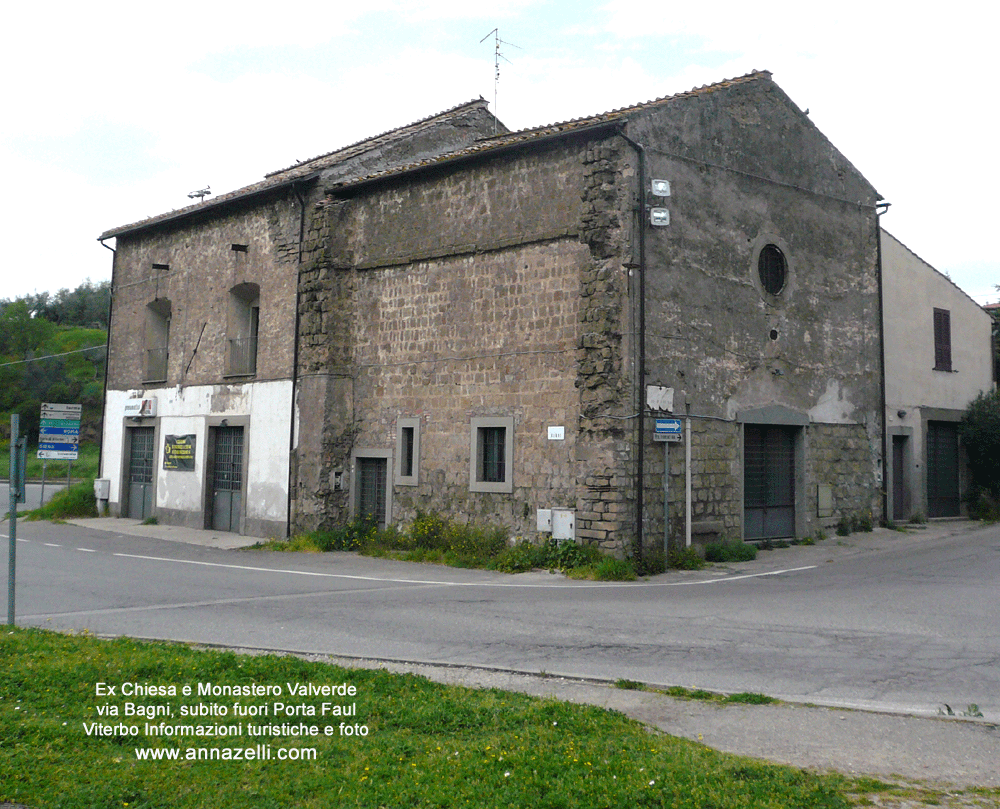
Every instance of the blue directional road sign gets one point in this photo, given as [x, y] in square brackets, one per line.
[59, 432]
[667, 430]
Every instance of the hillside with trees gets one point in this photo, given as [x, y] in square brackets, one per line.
[52, 350]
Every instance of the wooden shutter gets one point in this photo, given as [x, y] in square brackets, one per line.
[942, 340]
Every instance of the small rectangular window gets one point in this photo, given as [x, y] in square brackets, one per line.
[942, 340]
[407, 451]
[492, 454]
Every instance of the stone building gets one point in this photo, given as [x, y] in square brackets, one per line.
[452, 317]
[200, 401]
[491, 333]
[938, 357]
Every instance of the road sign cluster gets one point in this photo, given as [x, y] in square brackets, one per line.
[59, 433]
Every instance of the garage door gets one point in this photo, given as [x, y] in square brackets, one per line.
[768, 481]
[942, 469]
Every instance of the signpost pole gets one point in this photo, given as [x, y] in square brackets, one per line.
[666, 497]
[15, 460]
[687, 481]
[41, 501]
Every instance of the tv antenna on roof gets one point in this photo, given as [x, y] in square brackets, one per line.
[497, 56]
[201, 193]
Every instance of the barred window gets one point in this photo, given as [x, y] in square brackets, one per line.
[491, 454]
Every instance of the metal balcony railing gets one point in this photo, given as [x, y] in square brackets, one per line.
[242, 359]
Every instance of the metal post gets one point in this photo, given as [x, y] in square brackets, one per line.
[41, 499]
[15, 458]
[687, 481]
[666, 497]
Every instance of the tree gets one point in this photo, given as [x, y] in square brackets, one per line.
[20, 333]
[980, 432]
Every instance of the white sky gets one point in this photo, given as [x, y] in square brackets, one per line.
[114, 111]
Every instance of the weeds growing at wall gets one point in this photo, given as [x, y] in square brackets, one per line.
[76, 501]
[437, 539]
[730, 551]
[684, 559]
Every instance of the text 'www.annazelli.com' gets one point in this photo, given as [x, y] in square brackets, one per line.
[259, 752]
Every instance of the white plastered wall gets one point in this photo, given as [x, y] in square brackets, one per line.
[189, 411]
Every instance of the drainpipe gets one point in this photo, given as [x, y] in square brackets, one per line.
[641, 370]
[107, 359]
[292, 468]
[881, 339]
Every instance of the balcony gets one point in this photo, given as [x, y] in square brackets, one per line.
[241, 359]
[156, 365]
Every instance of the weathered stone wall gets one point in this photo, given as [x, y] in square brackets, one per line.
[203, 268]
[495, 290]
[748, 169]
[843, 457]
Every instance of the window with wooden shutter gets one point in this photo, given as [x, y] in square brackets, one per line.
[942, 340]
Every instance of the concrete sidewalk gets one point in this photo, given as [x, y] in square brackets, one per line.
[170, 533]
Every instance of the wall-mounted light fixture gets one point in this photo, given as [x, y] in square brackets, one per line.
[661, 188]
[660, 217]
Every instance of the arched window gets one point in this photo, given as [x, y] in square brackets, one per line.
[243, 329]
[157, 341]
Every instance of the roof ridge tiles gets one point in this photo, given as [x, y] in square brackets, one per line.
[522, 135]
[476, 102]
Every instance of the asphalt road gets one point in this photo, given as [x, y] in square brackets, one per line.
[33, 494]
[890, 621]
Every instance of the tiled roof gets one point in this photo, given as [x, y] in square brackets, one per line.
[524, 136]
[311, 167]
[299, 171]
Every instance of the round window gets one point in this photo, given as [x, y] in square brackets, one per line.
[771, 268]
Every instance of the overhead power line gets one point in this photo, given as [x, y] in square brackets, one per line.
[52, 356]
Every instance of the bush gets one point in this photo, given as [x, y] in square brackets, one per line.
[980, 434]
[76, 501]
[654, 562]
[985, 506]
[516, 559]
[684, 559]
[730, 552]
[611, 569]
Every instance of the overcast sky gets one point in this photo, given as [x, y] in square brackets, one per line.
[115, 111]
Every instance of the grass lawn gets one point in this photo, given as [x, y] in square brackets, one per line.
[85, 466]
[426, 744]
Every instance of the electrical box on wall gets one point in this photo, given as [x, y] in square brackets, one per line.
[563, 524]
[338, 481]
[543, 518]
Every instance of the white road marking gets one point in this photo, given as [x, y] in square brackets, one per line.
[390, 580]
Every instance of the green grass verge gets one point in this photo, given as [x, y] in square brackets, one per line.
[679, 692]
[426, 744]
[436, 539]
[733, 551]
[85, 466]
[76, 501]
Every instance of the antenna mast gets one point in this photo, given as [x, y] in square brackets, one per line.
[497, 56]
